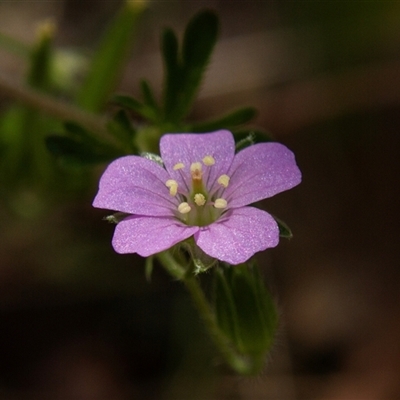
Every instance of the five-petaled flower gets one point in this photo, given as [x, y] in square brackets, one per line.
[203, 191]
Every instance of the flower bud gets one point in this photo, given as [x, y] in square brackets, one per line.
[245, 311]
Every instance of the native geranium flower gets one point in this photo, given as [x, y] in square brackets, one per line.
[203, 191]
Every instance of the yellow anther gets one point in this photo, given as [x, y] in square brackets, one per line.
[199, 199]
[177, 166]
[195, 169]
[184, 208]
[223, 180]
[208, 160]
[173, 186]
[220, 203]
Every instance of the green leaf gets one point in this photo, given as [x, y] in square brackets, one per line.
[148, 109]
[136, 106]
[183, 75]
[75, 153]
[228, 121]
[120, 126]
[199, 40]
[148, 96]
[110, 57]
[77, 131]
[284, 230]
[127, 102]
[198, 44]
[78, 148]
[172, 72]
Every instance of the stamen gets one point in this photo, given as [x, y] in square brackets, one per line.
[177, 166]
[208, 160]
[223, 180]
[220, 203]
[184, 208]
[173, 186]
[196, 172]
[199, 199]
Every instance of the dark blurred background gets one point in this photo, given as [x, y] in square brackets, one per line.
[81, 322]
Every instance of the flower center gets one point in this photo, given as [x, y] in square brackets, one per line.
[200, 200]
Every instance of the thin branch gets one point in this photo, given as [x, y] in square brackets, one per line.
[62, 110]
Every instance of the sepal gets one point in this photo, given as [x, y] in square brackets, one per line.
[153, 157]
[284, 230]
[116, 217]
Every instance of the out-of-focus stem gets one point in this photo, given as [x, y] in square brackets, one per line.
[95, 124]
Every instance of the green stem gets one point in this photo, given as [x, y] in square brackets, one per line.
[66, 112]
[235, 360]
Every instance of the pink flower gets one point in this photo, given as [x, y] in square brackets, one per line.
[203, 191]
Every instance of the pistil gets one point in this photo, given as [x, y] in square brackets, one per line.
[200, 204]
[197, 178]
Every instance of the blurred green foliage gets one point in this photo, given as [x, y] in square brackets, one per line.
[110, 58]
[23, 130]
[348, 32]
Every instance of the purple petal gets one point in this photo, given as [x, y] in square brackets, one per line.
[259, 172]
[241, 233]
[188, 148]
[135, 185]
[149, 235]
